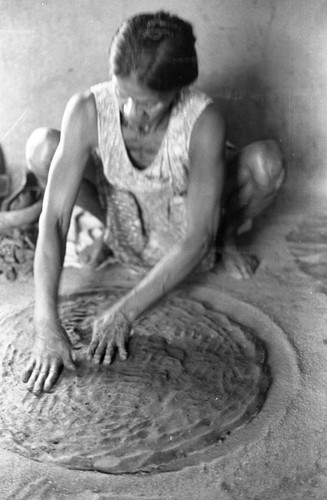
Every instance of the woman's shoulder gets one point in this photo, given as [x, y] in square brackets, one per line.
[191, 98]
[101, 87]
[103, 94]
[189, 106]
[82, 106]
[193, 111]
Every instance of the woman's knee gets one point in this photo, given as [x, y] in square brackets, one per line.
[40, 148]
[262, 162]
[260, 174]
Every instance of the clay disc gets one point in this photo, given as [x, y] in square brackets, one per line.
[193, 376]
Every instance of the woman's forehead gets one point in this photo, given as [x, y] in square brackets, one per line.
[129, 86]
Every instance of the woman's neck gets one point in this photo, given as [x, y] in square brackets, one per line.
[159, 123]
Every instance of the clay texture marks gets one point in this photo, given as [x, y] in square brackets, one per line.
[308, 244]
[193, 376]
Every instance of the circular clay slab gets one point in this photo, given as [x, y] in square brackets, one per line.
[193, 376]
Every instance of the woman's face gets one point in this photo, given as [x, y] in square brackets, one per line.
[139, 105]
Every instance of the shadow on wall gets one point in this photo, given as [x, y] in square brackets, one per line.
[254, 108]
[2, 162]
[278, 89]
[245, 106]
[4, 179]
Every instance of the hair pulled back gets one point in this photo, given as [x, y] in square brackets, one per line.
[158, 48]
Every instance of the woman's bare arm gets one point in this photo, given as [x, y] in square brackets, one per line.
[51, 350]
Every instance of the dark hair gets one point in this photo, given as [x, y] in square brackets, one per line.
[159, 48]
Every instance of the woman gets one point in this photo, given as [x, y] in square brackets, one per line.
[159, 187]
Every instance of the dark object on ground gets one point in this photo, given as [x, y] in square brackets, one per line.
[17, 247]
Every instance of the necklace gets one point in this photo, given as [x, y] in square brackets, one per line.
[144, 130]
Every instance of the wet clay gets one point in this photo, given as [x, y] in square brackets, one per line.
[308, 245]
[193, 376]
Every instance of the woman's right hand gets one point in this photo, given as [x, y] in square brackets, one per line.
[51, 352]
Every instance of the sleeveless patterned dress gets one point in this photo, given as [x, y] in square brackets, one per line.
[146, 211]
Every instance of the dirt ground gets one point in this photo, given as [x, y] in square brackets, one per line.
[288, 461]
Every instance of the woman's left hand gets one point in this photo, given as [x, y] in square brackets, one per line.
[111, 331]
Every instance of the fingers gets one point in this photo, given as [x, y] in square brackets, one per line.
[41, 377]
[92, 348]
[52, 378]
[36, 379]
[109, 335]
[108, 354]
[99, 353]
[28, 371]
[100, 350]
[104, 353]
[39, 382]
[33, 377]
[121, 344]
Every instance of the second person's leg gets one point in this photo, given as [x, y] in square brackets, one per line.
[252, 185]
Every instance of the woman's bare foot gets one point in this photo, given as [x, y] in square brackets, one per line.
[239, 265]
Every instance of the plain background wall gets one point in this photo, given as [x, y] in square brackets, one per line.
[264, 61]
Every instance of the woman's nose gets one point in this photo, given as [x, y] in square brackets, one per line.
[131, 110]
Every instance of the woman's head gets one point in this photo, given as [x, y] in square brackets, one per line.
[159, 49]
